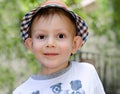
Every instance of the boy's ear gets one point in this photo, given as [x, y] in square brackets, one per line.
[29, 44]
[77, 43]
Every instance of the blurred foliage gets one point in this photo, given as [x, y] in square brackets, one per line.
[116, 20]
[71, 2]
[106, 20]
[103, 20]
[6, 79]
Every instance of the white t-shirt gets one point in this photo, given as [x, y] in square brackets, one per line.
[78, 78]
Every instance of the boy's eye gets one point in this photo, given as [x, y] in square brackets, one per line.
[61, 36]
[41, 37]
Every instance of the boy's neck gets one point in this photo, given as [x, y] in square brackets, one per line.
[48, 71]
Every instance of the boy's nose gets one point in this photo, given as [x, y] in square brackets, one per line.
[50, 42]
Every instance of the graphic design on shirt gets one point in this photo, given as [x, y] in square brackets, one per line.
[56, 89]
[76, 88]
[36, 92]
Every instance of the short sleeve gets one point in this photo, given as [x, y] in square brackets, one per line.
[97, 84]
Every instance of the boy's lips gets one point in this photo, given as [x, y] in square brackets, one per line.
[50, 54]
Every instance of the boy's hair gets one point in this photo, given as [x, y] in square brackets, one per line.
[46, 12]
[81, 27]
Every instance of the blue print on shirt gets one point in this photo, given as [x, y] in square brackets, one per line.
[36, 92]
[56, 89]
[76, 88]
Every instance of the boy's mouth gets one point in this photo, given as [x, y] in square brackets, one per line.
[50, 54]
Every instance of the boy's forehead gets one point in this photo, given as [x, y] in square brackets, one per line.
[60, 22]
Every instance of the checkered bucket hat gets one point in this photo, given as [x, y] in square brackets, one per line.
[81, 27]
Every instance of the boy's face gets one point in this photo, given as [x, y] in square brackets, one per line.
[52, 42]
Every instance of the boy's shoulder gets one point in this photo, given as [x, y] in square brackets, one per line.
[83, 65]
[22, 86]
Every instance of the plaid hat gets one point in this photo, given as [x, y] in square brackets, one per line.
[81, 27]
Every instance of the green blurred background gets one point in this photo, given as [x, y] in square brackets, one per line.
[101, 49]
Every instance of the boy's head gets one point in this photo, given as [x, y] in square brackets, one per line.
[53, 33]
[48, 9]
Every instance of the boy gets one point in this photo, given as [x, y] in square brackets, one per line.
[53, 33]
